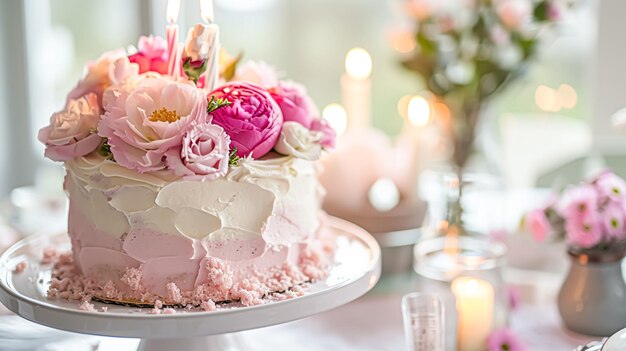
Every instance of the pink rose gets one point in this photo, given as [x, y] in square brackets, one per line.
[504, 339]
[152, 55]
[537, 223]
[144, 119]
[259, 73]
[97, 78]
[69, 134]
[203, 155]
[253, 120]
[611, 186]
[321, 125]
[294, 103]
[585, 230]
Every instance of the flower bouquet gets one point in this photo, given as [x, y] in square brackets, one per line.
[466, 53]
[591, 218]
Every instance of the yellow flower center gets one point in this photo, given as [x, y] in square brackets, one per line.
[164, 115]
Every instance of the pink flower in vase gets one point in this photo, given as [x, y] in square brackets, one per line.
[148, 118]
[578, 201]
[537, 223]
[612, 218]
[151, 55]
[504, 340]
[514, 14]
[71, 131]
[584, 230]
[203, 154]
[253, 120]
[611, 186]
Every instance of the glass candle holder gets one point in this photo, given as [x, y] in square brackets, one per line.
[424, 322]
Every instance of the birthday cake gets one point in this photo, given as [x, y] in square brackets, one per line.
[190, 180]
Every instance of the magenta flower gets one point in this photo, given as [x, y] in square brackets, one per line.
[504, 340]
[203, 154]
[584, 230]
[611, 186]
[295, 103]
[537, 223]
[253, 120]
[145, 119]
[152, 55]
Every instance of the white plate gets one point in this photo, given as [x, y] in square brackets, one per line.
[356, 270]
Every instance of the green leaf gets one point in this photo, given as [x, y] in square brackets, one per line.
[427, 46]
[194, 73]
[541, 11]
[233, 159]
[105, 150]
[215, 104]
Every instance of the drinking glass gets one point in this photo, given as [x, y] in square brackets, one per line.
[424, 318]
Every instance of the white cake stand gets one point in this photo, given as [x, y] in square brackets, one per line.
[356, 270]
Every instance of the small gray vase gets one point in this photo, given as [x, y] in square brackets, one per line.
[592, 299]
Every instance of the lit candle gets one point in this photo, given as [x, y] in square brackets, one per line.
[171, 35]
[356, 88]
[474, 304]
[336, 116]
[211, 75]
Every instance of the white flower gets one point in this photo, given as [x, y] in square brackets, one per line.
[296, 140]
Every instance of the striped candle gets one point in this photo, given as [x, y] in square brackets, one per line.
[174, 67]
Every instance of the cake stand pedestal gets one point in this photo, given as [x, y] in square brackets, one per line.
[355, 270]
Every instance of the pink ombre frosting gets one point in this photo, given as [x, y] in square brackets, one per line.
[148, 237]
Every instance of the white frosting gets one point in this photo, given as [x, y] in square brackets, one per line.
[275, 200]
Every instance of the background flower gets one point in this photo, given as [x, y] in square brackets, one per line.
[152, 54]
[537, 223]
[203, 154]
[611, 186]
[143, 124]
[504, 340]
[294, 102]
[69, 134]
[259, 73]
[584, 230]
[253, 120]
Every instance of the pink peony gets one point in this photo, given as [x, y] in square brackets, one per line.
[259, 73]
[585, 230]
[537, 223]
[253, 120]
[69, 134]
[294, 103]
[97, 78]
[504, 340]
[203, 155]
[611, 186]
[152, 55]
[330, 135]
[577, 201]
[612, 219]
[144, 119]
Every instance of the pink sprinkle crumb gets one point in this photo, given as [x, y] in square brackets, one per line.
[158, 304]
[49, 254]
[104, 309]
[173, 293]
[169, 310]
[132, 278]
[20, 267]
[155, 311]
[208, 305]
[86, 306]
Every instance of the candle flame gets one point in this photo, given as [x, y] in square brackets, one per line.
[358, 63]
[418, 111]
[173, 7]
[206, 11]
